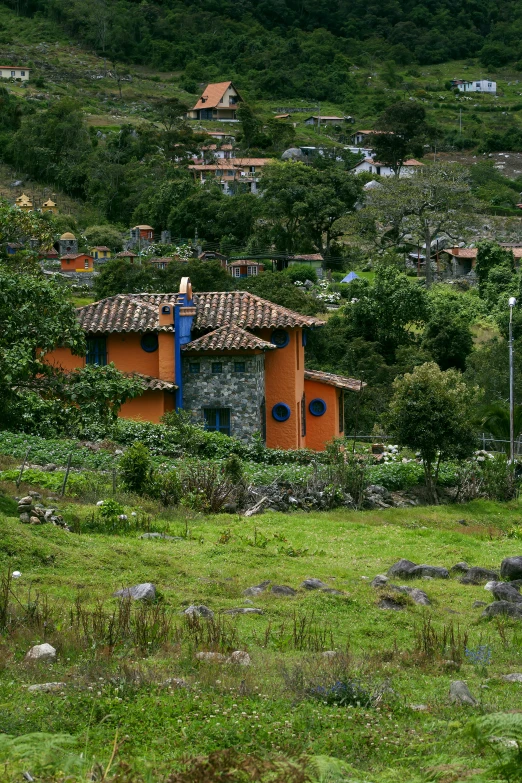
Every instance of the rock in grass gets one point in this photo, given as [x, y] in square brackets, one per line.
[511, 568]
[503, 591]
[402, 569]
[257, 589]
[164, 536]
[503, 607]
[490, 585]
[199, 611]
[478, 604]
[516, 677]
[283, 590]
[211, 657]
[243, 610]
[379, 581]
[460, 568]
[460, 693]
[435, 572]
[391, 603]
[478, 576]
[41, 653]
[143, 592]
[47, 687]
[240, 658]
[313, 584]
[417, 596]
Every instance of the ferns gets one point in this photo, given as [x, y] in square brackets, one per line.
[503, 732]
[40, 753]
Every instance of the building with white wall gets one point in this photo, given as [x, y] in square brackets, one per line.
[480, 85]
[14, 72]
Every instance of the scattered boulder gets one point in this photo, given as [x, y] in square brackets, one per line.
[478, 604]
[314, 584]
[516, 677]
[199, 611]
[511, 568]
[388, 602]
[478, 576]
[435, 572]
[503, 591]
[460, 694]
[143, 592]
[490, 585]
[47, 687]
[418, 596]
[163, 536]
[402, 569]
[503, 607]
[379, 581]
[460, 568]
[240, 657]
[257, 589]
[211, 657]
[243, 610]
[283, 590]
[332, 591]
[41, 653]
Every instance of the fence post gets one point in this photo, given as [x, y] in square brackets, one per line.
[66, 474]
[18, 480]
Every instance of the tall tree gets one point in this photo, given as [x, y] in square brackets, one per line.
[403, 130]
[435, 202]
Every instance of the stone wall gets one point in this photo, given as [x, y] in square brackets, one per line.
[242, 392]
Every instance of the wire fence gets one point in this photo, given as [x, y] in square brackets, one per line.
[484, 441]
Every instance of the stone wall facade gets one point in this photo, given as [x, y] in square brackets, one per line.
[241, 392]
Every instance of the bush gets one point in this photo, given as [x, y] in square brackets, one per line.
[300, 273]
[136, 469]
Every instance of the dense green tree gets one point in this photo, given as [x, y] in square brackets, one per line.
[447, 335]
[279, 289]
[104, 235]
[432, 412]
[303, 204]
[404, 132]
[489, 256]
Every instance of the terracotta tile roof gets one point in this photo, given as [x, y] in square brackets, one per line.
[155, 384]
[139, 313]
[244, 262]
[228, 338]
[126, 254]
[72, 256]
[352, 384]
[462, 252]
[212, 95]
[101, 247]
[307, 257]
[412, 162]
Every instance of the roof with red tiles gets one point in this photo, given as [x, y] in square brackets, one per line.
[228, 338]
[462, 252]
[140, 313]
[212, 95]
[351, 384]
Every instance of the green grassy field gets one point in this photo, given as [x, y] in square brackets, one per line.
[119, 682]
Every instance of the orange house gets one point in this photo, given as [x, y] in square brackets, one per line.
[234, 360]
[77, 262]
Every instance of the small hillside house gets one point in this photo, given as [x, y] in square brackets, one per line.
[229, 173]
[364, 137]
[24, 203]
[213, 255]
[313, 260]
[68, 244]
[232, 359]
[101, 253]
[77, 262]
[14, 72]
[217, 102]
[480, 85]
[127, 255]
[385, 170]
[50, 206]
[318, 119]
[243, 267]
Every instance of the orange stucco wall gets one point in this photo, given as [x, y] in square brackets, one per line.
[166, 368]
[150, 406]
[125, 351]
[62, 357]
[321, 429]
[77, 264]
[284, 382]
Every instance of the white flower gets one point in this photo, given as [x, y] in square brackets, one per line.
[16, 574]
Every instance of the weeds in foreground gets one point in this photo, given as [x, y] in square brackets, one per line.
[433, 643]
[231, 765]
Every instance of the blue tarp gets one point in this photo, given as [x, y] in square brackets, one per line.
[349, 277]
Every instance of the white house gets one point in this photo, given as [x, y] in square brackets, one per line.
[14, 72]
[481, 85]
[385, 170]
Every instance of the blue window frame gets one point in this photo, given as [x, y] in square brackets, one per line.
[194, 367]
[239, 367]
[217, 367]
[317, 407]
[281, 411]
[280, 338]
[149, 342]
[217, 420]
[96, 351]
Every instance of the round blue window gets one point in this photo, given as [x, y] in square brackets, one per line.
[280, 338]
[317, 407]
[281, 411]
[149, 342]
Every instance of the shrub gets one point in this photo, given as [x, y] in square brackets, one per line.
[136, 469]
[205, 487]
[233, 469]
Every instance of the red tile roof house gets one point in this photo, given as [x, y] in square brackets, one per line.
[217, 102]
[234, 360]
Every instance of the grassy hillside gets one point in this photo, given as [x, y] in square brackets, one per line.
[124, 685]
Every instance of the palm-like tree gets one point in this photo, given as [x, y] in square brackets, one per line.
[495, 420]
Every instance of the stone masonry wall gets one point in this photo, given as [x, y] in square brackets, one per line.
[242, 392]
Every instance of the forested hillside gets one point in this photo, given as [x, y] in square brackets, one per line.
[286, 48]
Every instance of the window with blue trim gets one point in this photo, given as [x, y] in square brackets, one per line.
[281, 411]
[194, 367]
[239, 367]
[149, 342]
[317, 407]
[217, 367]
[217, 420]
[96, 351]
[280, 338]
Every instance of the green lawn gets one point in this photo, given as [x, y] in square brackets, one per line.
[265, 709]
